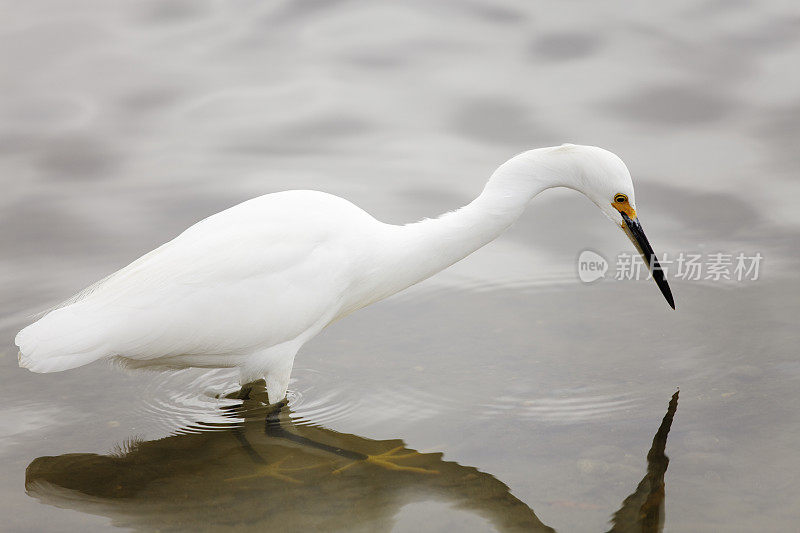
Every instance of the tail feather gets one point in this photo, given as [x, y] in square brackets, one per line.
[64, 338]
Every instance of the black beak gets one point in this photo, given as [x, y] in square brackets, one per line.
[638, 238]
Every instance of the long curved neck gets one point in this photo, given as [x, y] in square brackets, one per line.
[424, 248]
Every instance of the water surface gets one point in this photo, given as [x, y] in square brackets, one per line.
[533, 397]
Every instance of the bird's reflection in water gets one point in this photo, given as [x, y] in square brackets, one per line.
[267, 473]
[643, 511]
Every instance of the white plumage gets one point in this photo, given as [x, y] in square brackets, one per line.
[248, 286]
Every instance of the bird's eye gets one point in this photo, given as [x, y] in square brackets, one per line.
[620, 198]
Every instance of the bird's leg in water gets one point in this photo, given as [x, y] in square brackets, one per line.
[273, 429]
[244, 392]
[388, 460]
[253, 390]
[263, 467]
[257, 391]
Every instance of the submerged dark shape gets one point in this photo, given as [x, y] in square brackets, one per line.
[265, 472]
[643, 511]
[268, 473]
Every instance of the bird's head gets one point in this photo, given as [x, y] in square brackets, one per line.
[602, 177]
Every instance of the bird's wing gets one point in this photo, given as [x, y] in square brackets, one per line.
[255, 275]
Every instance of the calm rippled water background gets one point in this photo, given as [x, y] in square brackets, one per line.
[123, 123]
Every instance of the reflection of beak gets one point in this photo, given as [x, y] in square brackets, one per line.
[636, 234]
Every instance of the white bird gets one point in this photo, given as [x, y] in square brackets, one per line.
[248, 286]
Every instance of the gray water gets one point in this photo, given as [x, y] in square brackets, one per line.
[501, 394]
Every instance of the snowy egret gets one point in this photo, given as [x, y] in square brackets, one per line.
[248, 286]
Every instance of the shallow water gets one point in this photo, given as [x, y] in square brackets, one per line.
[533, 399]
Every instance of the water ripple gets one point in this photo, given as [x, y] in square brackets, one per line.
[188, 398]
[193, 401]
[562, 410]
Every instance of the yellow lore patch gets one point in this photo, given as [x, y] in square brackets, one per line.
[625, 207]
